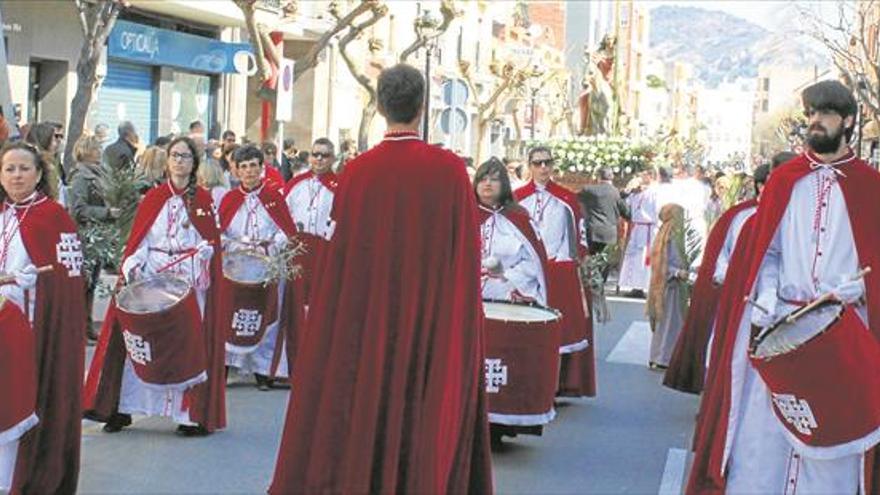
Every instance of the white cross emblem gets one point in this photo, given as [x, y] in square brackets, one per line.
[496, 375]
[69, 251]
[796, 412]
[138, 349]
[246, 322]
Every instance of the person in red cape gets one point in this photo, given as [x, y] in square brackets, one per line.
[253, 216]
[807, 240]
[309, 198]
[557, 213]
[687, 367]
[41, 253]
[388, 385]
[18, 378]
[174, 231]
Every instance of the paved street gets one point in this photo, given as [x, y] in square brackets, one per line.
[631, 439]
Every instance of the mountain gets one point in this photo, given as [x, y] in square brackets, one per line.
[722, 47]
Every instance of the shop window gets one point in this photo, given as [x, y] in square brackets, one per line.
[191, 100]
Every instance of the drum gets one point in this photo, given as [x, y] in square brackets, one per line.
[564, 292]
[522, 362]
[162, 330]
[18, 373]
[823, 373]
[251, 301]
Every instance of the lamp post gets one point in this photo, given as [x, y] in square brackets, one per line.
[427, 28]
[534, 86]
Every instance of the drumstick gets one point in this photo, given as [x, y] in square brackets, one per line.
[189, 253]
[8, 279]
[755, 304]
[824, 297]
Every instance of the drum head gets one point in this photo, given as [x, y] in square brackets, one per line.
[525, 313]
[784, 337]
[246, 267]
[153, 295]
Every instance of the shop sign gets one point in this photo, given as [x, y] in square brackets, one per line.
[156, 46]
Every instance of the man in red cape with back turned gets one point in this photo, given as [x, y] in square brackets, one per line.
[816, 225]
[388, 393]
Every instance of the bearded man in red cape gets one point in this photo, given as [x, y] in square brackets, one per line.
[815, 226]
[388, 389]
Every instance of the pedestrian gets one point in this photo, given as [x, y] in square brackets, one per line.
[557, 213]
[389, 389]
[271, 168]
[253, 216]
[42, 252]
[228, 137]
[121, 154]
[667, 296]
[46, 140]
[151, 166]
[604, 209]
[174, 232]
[288, 156]
[89, 208]
[227, 163]
[309, 198]
[635, 269]
[807, 241]
[197, 130]
[211, 177]
[515, 172]
[102, 131]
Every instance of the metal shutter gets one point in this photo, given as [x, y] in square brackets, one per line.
[127, 94]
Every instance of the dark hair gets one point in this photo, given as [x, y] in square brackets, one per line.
[780, 158]
[227, 148]
[44, 184]
[664, 174]
[606, 173]
[288, 143]
[760, 175]
[248, 152]
[401, 93]
[125, 128]
[831, 96]
[494, 166]
[162, 141]
[303, 156]
[539, 149]
[41, 135]
[325, 142]
[196, 123]
[193, 177]
[227, 133]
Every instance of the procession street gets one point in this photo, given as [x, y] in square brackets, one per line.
[632, 438]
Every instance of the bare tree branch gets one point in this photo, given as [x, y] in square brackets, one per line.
[82, 13]
[449, 13]
[310, 59]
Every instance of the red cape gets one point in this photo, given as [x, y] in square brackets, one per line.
[18, 372]
[291, 311]
[860, 187]
[104, 381]
[688, 364]
[389, 386]
[567, 197]
[520, 218]
[48, 455]
[273, 177]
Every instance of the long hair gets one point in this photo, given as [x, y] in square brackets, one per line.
[211, 175]
[41, 135]
[152, 163]
[44, 185]
[192, 184]
[491, 167]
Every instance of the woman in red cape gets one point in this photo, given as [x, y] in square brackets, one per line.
[174, 222]
[388, 385]
[38, 232]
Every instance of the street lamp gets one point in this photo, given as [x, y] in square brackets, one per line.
[427, 27]
[534, 86]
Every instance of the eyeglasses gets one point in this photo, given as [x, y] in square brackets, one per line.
[321, 156]
[181, 156]
[59, 136]
[547, 162]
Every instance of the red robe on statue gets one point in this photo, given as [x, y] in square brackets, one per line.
[688, 364]
[860, 185]
[577, 374]
[48, 455]
[291, 310]
[104, 381]
[388, 385]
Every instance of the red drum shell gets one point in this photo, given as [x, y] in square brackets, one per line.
[167, 348]
[18, 369]
[250, 309]
[830, 387]
[529, 355]
[564, 293]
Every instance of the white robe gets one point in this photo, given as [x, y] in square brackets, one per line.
[252, 220]
[730, 239]
[556, 224]
[799, 260]
[502, 240]
[635, 271]
[310, 203]
[171, 231]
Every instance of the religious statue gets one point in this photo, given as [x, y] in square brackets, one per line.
[597, 96]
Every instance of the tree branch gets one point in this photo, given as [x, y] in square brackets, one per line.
[310, 59]
[82, 16]
[449, 13]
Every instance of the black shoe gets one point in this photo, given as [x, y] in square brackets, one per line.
[92, 334]
[263, 382]
[192, 431]
[117, 422]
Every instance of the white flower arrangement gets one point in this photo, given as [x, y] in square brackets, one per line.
[585, 155]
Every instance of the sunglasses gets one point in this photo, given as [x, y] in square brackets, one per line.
[181, 156]
[547, 162]
[320, 156]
